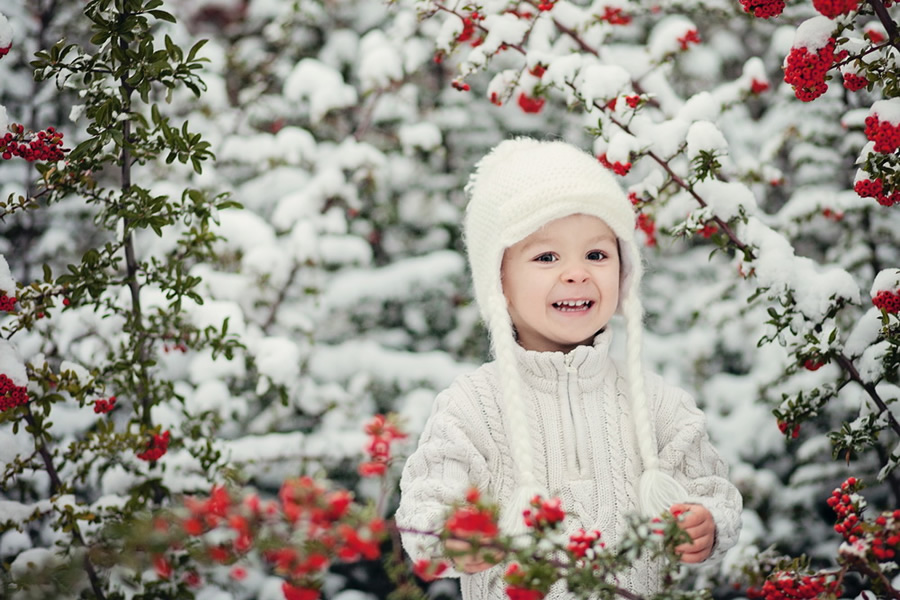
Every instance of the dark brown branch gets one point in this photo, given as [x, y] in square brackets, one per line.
[886, 20]
[848, 366]
[41, 447]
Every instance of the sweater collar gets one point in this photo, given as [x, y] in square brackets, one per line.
[587, 362]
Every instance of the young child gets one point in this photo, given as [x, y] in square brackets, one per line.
[550, 241]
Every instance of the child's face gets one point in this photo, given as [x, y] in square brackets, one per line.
[562, 283]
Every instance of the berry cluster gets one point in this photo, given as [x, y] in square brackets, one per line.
[691, 37]
[546, 5]
[7, 303]
[814, 364]
[517, 582]
[784, 585]
[44, 145]
[646, 224]
[156, 447]
[469, 25]
[544, 514]
[529, 104]
[847, 504]
[459, 85]
[806, 71]
[874, 188]
[614, 16]
[832, 215]
[104, 405]
[11, 395]
[887, 301]
[784, 426]
[854, 82]
[885, 134]
[5, 51]
[616, 167]
[583, 543]
[764, 9]
[886, 540]
[708, 230]
[833, 8]
[875, 36]
[427, 570]
[383, 432]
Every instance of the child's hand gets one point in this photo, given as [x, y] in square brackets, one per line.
[472, 562]
[699, 524]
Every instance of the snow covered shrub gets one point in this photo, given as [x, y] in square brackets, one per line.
[91, 418]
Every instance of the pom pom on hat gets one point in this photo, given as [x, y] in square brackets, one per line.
[518, 187]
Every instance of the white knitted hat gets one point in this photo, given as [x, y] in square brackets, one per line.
[521, 185]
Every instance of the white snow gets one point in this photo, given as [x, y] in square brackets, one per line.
[7, 283]
[887, 110]
[813, 34]
[704, 136]
[727, 199]
[664, 36]
[320, 85]
[601, 83]
[11, 363]
[6, 36]
[396, 280]
[886, 280]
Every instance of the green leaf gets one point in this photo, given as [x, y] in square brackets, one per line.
[163, 15]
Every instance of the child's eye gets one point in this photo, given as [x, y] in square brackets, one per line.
[546, 257]
[596, 255]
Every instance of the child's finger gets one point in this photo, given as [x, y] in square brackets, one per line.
[695, 557]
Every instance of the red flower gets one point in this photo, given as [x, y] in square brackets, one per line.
[614, 16]
[691, 37]
[298, 593]
[581, 541]
[546, 513]
[646, 224]
[372, 469]
[758, 87]
[193, 526]
[529, 104]
[428, 570]
[469, 521]
[162, 566]
[618, 168]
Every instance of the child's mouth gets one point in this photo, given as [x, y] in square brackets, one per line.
[573, 305]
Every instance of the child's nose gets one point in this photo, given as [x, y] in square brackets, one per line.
[575, 274]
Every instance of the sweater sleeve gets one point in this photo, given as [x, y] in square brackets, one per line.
[444, 466]
[686, 451]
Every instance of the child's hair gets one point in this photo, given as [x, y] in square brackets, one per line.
[518, 187]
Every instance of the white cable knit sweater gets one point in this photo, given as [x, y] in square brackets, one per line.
[584, 451]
